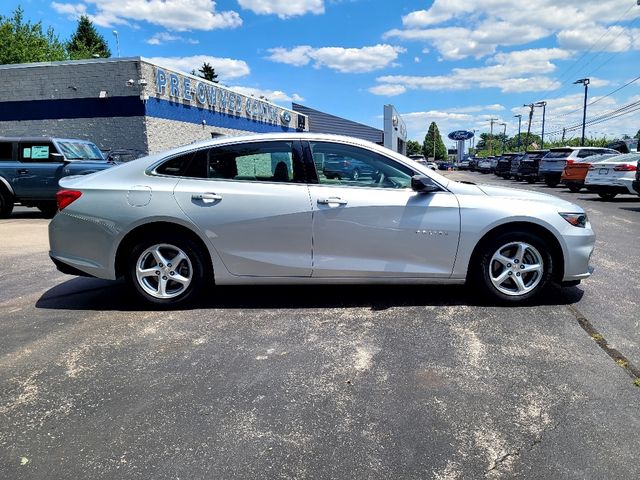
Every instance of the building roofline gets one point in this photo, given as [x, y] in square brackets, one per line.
[71, 62]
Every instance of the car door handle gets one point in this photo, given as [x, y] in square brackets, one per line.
[331, 200]
[22, 171]
[206, 196]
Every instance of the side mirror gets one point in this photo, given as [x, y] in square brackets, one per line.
[423, 184]
[58, 157]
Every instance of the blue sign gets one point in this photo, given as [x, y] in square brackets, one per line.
[460, 135]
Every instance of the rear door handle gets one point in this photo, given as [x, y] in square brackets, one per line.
[332, 201]
[22, 171]
[206, 196]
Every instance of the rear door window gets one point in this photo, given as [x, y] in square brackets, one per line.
[37, 152]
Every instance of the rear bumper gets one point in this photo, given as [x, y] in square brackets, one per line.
[636, 186]
[606, 188]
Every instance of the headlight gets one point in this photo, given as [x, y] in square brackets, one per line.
[575, 219]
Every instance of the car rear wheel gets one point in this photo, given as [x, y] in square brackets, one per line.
[573, 188]
[48, 209]
[6, 204]
[531, 180]
[168, 270]
[607, 195]
[514, 267]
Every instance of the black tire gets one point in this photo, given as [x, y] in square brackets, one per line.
[6, 203]
[508, 291]
[168, 245]
[531, 180]
[330, 177]
[506, 176]
[48, 209]
[607, 195]
[355, 175]
[574, 188]
[551, 182]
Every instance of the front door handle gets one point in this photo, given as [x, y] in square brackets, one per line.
[332, 201]
[206, 196]
[22, 171]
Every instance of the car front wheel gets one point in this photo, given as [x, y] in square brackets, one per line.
[514, 267]
[6, 204]
[166, 271]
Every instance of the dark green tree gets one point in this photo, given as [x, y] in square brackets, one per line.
[25, 42]
[637, 135]
[208, 73]
[414, 148]
[433, 144]
[86, 42]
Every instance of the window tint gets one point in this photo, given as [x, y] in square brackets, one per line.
[260, 161]
[339, 164]
[37, 152]
[6, 151]
[586, 153]
[560, 154]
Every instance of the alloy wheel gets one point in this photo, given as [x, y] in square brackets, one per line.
[164, 271]
[516, 268]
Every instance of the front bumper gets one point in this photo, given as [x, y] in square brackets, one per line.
[579, 247]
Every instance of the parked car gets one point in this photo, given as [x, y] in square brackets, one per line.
[575, 171]
[503, 167]
[217, 212]
[484, 165]
[528, 168]
[123, 155]
[463, 164]
[473, 163]
[432, 165]
[336, 166]
[614, 176]
[445, 166]
[30, 168]
[553, 163]
[515, 165]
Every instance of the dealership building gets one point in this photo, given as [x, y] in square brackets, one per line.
[136, 104]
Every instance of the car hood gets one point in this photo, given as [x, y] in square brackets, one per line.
[514, 194]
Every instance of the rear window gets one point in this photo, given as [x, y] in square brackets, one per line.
[560, 154]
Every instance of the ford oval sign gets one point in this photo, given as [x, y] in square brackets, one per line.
[460, 135]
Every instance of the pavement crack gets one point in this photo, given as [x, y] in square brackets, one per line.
[620, 360]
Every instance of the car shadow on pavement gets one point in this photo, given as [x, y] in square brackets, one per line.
[104, 295]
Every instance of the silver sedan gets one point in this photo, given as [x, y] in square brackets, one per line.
[258, 210]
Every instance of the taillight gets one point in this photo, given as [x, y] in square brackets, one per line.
[569, 162]
[591, 167]
[625, 168]
[64, 198]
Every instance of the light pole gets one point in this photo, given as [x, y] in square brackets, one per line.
[544, 109]
[115, 33]
[492, 120]
[585, 82]
[504, 136]
[519, 117]
[526, 141]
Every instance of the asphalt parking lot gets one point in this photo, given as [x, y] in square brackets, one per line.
[334, 382]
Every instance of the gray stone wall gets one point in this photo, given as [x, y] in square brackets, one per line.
[106, 133]
[166, 134]
[67, 80]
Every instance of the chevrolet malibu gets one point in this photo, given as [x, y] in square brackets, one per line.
[257, 210]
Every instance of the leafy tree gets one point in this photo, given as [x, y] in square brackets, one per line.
[414, 148]
[637, 135]
[433, 143]
[25, 42]
[208, 72]
[86, 42]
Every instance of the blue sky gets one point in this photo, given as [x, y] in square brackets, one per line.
[456, 62]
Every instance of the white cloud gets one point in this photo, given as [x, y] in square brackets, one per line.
[226, 68]
[519, 71]
[283, 8]
[345, 60]
[275, 96]
[165, 37]
[489, 24]
[600, 39]
[177, 15]
[388, 90]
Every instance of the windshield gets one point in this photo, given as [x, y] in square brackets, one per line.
[80, 151]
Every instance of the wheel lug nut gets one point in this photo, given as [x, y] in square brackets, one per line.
[172, 273]
[160, 265]
[522, 266]
[169, 265]
[510, 273]
[508, 265]
[164, 277]
[518, 274]
[157, 272]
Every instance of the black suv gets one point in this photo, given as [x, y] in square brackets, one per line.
[503, 168]
[30, 168]
[528, 169]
